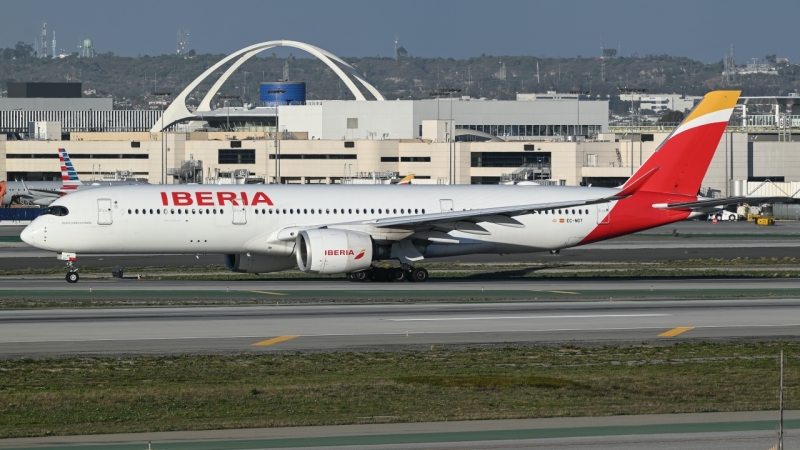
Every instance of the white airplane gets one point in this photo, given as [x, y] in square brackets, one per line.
[43, 193]
[331, 229]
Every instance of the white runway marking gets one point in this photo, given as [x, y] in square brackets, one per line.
[593, 316]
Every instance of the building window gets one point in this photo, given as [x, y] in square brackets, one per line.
[349, 144]
[314, 156]
[415, 159]
[389, 159]
[508, 159]
[244, 156]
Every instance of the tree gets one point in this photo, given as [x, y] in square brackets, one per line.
[772, 59]
[670, 116]
[401, 51]
[23, 50]
[609, 52]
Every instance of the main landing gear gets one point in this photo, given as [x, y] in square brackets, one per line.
[396, 274]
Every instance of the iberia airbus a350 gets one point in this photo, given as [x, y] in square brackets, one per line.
[342, 229]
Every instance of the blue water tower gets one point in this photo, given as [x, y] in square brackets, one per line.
[295, 93]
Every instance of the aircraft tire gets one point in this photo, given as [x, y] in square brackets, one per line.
[398, 275]
[360, 276]
[419, 275]
[72, 277]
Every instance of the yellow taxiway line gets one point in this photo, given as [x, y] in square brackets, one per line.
[273, 341]
[675, 331]
[268, 292]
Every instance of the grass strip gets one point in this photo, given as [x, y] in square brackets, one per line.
[90, 395]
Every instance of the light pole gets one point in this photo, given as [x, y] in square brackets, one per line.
[226, 100]
[579, 93]
[276, 93]
[163, 96]
[452, 140]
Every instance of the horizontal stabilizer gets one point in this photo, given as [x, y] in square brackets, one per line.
[719, 202]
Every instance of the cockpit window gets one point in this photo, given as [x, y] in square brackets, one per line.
[56, 211]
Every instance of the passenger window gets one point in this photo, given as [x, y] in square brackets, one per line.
[256, 210]
[199, 211]
[423, 210]
[158, 211]
[587, 211]
[319, 210]
[263, 211]
[221, 210]
[402, 211]
[179, 211]
[356, 210]
[270, 210]
[151, 211]
[194, 211]
[416, 211]
[327, 211]
[395, 210]
[305, 211]
[379, 210]
[312, 211]
[129, 211]
[137, 211]
[349, 211]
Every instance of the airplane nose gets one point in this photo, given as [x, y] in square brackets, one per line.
[27, 235]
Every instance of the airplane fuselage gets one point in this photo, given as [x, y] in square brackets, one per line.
[208, 219]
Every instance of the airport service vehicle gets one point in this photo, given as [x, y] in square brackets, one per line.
[43, 193]
[332, 229]
[723, 215]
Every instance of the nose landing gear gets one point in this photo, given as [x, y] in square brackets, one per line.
[72, 274]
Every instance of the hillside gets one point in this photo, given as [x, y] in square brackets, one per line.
[131, 80]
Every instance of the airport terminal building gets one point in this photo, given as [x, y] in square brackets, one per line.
[562, 139]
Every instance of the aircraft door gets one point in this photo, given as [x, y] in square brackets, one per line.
[104, 211]
[239, 215]
[603, 216]
[446, 205]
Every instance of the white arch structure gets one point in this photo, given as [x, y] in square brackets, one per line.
[177, 110]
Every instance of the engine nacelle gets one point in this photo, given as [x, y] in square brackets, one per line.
[333, 251]
[259, 263]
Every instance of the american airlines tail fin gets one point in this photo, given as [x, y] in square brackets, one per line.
[69, 176]
[680, 163]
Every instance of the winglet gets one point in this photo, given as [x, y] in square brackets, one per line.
[407, 179]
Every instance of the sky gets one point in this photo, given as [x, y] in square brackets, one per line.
[701, 30]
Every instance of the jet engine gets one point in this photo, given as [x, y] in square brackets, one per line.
[333, 251]
[259, 263]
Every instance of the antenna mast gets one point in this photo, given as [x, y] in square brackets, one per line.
[395, 48]
[54, 44]
[44, 40]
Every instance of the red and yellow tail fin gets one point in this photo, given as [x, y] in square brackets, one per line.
[682, 160]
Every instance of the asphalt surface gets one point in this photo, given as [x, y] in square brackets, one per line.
[385, 326]
[736, 430]
[695, 239]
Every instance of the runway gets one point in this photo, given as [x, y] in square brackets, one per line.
[694, 240]
[386, 326]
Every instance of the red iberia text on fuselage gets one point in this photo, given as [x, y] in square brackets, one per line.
[339, 252]
[179, 198]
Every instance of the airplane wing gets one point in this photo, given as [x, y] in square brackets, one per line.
[700, 204]
[30, 191]
[501, 215]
